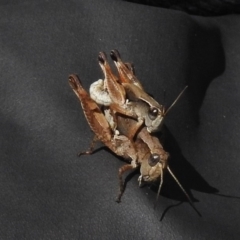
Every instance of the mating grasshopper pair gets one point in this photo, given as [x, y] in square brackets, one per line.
[123, 116]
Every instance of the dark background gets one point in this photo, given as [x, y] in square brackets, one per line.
[47, 192]
[196, 7]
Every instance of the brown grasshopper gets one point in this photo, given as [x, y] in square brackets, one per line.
[145, 151]
[125, 95]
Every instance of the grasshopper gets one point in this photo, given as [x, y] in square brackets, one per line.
[145, 152]
[125, 95]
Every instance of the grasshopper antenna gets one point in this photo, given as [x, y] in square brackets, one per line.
[184, 191]
[164, 97]
[159, 189]
[175, 101]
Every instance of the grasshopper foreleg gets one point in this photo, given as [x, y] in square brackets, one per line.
[121, 171]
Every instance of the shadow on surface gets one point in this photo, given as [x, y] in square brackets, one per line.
[183, 170]
[206, 62]
[186, 174]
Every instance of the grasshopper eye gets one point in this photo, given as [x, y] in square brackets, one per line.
[152, 113]
[153, 160]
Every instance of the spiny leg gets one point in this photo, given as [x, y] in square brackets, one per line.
[91, 148]
[121, 171]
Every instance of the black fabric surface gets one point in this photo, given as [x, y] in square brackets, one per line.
[47, 192]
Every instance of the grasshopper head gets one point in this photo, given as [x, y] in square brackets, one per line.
[154, 119]
[152, 169]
